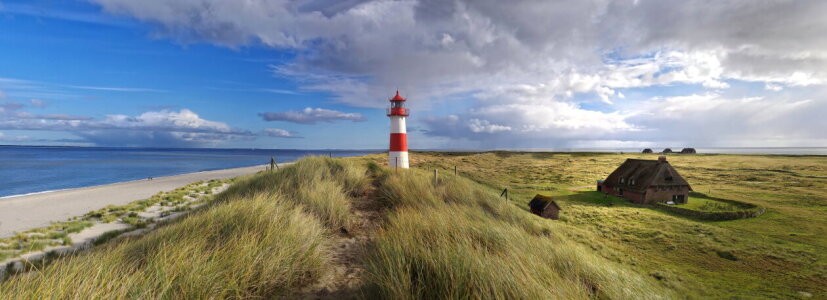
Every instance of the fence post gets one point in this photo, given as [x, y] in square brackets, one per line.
[455, 170]
[436, 180]
[505, 192]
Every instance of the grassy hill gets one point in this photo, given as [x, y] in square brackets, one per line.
[782, 253]
[345, 228]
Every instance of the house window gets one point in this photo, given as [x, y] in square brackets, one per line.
[632, 182]
[621, 180]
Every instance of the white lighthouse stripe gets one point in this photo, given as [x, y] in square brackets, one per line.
[400, 157]
[398, 124]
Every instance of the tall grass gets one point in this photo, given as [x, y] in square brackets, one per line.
[321, 185]
[458, 240]
[249, 245]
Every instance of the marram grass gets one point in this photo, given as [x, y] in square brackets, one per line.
[457, 240]
[269, 235]
[239, 249]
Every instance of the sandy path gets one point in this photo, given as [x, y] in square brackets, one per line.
[37, 210]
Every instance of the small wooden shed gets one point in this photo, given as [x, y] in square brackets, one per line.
[545, 207]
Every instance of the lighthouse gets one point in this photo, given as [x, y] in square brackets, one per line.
[398, 152]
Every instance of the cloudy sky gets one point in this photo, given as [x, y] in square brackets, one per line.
[479, 74]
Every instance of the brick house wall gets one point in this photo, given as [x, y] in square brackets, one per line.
[664, 194]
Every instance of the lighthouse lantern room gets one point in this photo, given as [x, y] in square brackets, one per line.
[398, 154]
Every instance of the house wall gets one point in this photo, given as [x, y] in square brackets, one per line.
[551, 212]
[635, 197]
[664, 195]
[651, 195]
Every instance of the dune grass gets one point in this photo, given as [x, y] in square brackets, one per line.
[257, 246]
[265, 236]
[458, 240]
[321, 185]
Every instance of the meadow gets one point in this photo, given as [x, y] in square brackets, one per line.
[782, 253]
[350, 228]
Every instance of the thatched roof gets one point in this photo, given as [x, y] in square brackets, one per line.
[647, 150]
[540, 202]
[688, 151]
[644, 174]
[667, 150]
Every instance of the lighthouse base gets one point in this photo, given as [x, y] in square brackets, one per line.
[398, 159]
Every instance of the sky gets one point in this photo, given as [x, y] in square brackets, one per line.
[478, 74]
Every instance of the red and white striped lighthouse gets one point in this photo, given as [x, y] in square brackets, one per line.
[398, 154]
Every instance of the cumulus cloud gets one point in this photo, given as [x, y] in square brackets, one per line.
[279, 133]
[311, 116]
[513, 57]
[153, 128]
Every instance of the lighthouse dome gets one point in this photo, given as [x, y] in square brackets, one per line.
[397, 97]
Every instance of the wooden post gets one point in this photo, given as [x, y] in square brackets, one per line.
[436, 179]
[505, 192]
[396, 165]
[455, 170]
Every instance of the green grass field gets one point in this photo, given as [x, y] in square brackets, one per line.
[778, 254]
[349, 228]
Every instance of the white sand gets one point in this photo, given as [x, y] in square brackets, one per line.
[38, 210]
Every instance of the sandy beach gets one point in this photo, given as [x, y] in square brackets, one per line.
[24, 212]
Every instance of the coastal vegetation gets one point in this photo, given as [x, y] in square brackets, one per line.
[347, 228]
[781, 253]
[135, 215]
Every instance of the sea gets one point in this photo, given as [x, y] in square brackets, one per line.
[33, 169]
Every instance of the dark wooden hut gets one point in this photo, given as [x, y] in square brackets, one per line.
[545, 207]
[667, 150]
[688, 151]
[647, 181]
[647, 150]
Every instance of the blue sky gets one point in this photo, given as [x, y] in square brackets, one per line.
[202, 73]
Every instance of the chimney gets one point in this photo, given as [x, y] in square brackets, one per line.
[662, 159]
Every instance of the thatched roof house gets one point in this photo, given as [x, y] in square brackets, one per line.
[545, 207]
[667, 150]
[688, 151]
[647, 181]
[647, 150]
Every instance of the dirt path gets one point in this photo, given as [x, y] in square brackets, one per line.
[346, 277]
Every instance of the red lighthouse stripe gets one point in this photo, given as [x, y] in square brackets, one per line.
[399, 142]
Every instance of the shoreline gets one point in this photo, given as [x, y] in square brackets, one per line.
[28, 211]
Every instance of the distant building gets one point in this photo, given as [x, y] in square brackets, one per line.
[688, 151]
[545, 207]
[646, 181]
[647, 150]
[667, 150]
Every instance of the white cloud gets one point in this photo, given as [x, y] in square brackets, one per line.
[311, 116]
[479, 126]
[528, 63]
[280, 133]
[37, 103]
[156, 128]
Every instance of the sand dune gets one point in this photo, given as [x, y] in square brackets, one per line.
[36, 210]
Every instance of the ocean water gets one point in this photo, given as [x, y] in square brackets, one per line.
[25, 170]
